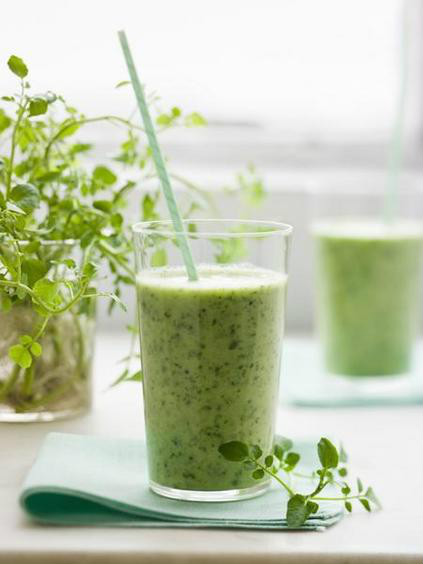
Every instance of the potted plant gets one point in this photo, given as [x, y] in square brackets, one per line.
[60, 220]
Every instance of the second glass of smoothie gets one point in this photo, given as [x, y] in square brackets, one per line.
[369, 287]
[210, 351]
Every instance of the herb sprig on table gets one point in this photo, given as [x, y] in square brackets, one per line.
[281, 464]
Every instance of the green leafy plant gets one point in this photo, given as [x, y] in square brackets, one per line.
[61, 218]
[281, 464]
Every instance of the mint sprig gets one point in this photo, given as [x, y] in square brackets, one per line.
[280, 465]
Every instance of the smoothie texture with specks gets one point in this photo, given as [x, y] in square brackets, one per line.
[369, 288]
[211, 361]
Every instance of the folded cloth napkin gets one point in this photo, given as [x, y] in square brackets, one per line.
[83, 480]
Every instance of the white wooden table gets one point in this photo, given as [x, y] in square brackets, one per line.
[385, 447]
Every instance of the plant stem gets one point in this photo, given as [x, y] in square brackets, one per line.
[275, 476]
[343, 498]
[42, 328]
[301, 475]
[21, 111]
[195, 188]
[116, 257]
[72, 123]
[10, 382]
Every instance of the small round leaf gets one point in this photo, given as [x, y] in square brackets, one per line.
[20, 355]
[234, 451]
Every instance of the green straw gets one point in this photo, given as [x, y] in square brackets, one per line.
[396, 152]
[158, 161]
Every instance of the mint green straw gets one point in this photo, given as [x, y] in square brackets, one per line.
[396, 152]
[158, 160]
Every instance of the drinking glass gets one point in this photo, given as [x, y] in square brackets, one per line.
[210, 351]
[368, 282]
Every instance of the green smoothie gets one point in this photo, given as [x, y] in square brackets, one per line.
[369, 287]
[211, 361]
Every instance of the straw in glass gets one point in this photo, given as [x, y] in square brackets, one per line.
[158, 161]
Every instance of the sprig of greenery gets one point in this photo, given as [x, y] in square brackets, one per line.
[280, 464]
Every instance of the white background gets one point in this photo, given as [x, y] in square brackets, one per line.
[306, 89]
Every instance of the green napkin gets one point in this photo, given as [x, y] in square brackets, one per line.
[83, 480]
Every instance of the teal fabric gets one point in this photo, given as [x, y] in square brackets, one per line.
[83, 480]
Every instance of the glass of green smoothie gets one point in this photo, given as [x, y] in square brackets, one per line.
[210, 351]
[369, 289]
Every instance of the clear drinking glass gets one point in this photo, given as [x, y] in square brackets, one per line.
[368, 281]
[57, 384]
[210, 351]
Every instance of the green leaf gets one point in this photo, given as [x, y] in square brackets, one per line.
[256, 452]
[292, 459]
[14, 208]
[125, 376]
[278, 452]
[348, 506]
[104, 175]
[343, 472]
[359, 485]
[87, 238]
[163, 119]
[268, 461]
[346, 489]
[312, 506]
[258, 474]
[343, 457]
[68, 127]
[17, 66]
[47, 291]
[34, 269]
[252, 189]
[122, 83]
[25, 339]
[20, 355]
[328, 455]
[148, 208]
[282, 445]
[231, 250]
[195, 120]
[69, 263]
[90, 269]
[159, 258]
[103, 205]
[80, 148]
[26, 197]
[298, 511]
[37, 106]
[5, 121]
[365, 503]
[371, 496]
[36, 349]
[116, 221]
[135, 377]
[235, 451]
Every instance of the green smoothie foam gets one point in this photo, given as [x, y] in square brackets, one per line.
[369, 288]
[211, 361]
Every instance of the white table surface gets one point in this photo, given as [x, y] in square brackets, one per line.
[385, 447]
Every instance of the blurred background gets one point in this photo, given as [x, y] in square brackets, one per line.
[306, 91]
